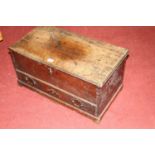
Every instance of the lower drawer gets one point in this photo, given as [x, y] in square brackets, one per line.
[58, 94]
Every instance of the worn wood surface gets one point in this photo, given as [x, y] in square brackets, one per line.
[84, 96]
[89, 60]
[56, 93]
[56, 77]
[79, 72]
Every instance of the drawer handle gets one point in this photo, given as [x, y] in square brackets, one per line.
[77, 103]
[53, 92]
[31, 81]
[34, 83]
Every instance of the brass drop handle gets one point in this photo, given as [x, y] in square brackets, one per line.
[34, 83]
[77, 103]
[30, 81]
[53, 92]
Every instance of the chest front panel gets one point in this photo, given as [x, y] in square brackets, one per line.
[56, 77]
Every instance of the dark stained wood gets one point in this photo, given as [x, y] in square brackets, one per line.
[79, 72]
[91, 109]
[56, 77]
[83, 58]
[109, 88]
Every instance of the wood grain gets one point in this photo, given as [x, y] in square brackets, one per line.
[90, 60]
[79, 72]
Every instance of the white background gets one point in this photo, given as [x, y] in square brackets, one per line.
[76, 13]
[77, 142]
[92, 142]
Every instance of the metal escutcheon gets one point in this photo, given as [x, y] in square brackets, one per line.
[50, 70]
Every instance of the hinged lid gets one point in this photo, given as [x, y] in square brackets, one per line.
[89, 60]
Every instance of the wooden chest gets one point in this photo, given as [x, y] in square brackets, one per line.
[81, 73]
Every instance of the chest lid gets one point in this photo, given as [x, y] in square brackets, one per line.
[87, 59]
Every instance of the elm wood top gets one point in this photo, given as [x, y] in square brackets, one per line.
[87, 59]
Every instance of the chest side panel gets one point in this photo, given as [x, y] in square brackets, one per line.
[109, 89]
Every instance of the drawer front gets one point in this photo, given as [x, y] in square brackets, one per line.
[58, 94]
[56, 77]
